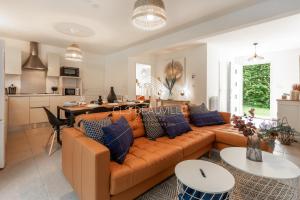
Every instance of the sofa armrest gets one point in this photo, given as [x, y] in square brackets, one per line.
[90, 168]
[226, 116]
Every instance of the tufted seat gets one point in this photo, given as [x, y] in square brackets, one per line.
[145, 159]
[190, 142]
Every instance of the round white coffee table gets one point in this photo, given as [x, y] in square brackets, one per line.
[197, 179]
[274, 178]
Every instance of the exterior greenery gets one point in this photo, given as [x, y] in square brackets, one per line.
[256, 92]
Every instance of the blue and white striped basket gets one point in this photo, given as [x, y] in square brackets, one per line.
[186, 193]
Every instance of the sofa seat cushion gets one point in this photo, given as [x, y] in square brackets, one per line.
[190, 142]
[145, 159]
[230, 136]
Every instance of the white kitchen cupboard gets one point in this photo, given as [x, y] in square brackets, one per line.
[290, 110]
[13, 61]
[53, 65]
[18, 111]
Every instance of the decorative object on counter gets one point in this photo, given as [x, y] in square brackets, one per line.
[149, 15]
[74, 53]
[54, 89]
[100, 101]
[173, 72]
[295, 93]
[112, 97]
[285, 96]
[12, 89]
[254, 136]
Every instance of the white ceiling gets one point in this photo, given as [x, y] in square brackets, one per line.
[276, 35]
[107, 22]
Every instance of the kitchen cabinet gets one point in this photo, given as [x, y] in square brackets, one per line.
[37, 113]
[18, 111]
[53, 65]
[290, 110]
[13, 61]
[26, 110]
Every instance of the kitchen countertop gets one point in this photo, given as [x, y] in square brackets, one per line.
[33, 95]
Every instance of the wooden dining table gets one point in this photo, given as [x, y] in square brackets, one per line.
[72, 111]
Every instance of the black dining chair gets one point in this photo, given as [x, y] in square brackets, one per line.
[56, 125]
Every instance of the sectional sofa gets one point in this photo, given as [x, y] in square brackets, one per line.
[87, 166]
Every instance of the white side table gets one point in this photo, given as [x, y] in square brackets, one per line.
[197, 179]
[274, 178]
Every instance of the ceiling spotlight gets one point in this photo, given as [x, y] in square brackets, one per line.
[149, 15]
[73, 53]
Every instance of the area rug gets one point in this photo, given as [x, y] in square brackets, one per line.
[247, 187]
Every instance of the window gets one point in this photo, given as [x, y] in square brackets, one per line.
[143, 79]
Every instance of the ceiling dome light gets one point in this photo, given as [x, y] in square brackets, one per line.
[73, 53]
[255, 57]
[149, 15]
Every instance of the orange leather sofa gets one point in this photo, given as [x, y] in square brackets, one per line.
[87, 166]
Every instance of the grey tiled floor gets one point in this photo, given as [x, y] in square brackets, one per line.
[30, 174]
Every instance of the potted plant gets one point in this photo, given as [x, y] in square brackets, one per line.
[284, 132]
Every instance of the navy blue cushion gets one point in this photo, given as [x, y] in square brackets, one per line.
[93, 128]
[174, 125]
[207, 119]
[118, 137]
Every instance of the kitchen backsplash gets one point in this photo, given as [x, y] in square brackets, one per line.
[16, 80]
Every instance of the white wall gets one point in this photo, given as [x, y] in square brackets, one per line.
[196, 64]
[284, 73]
[92, 68]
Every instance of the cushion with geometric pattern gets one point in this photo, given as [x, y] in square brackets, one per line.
[93, 128]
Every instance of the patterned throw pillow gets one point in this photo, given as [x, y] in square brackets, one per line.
[93, 128]
[151, 122]
[197, 109]
[152, 126]
[118, 137]
[174, 125]
[207, 119]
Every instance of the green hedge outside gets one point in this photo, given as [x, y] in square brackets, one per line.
[256, 91]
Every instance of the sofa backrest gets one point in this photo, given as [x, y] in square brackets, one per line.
[134, 120]
[130, 115]
[95, 116]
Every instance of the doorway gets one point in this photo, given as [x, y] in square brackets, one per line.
[143, 80]
[256, 89]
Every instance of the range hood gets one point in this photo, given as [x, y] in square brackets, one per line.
[33, 62]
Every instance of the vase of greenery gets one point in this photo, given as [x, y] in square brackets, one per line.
[246, 126]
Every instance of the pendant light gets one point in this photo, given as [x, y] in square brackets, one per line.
[255, 57]
[149, 15]
[73, 53]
